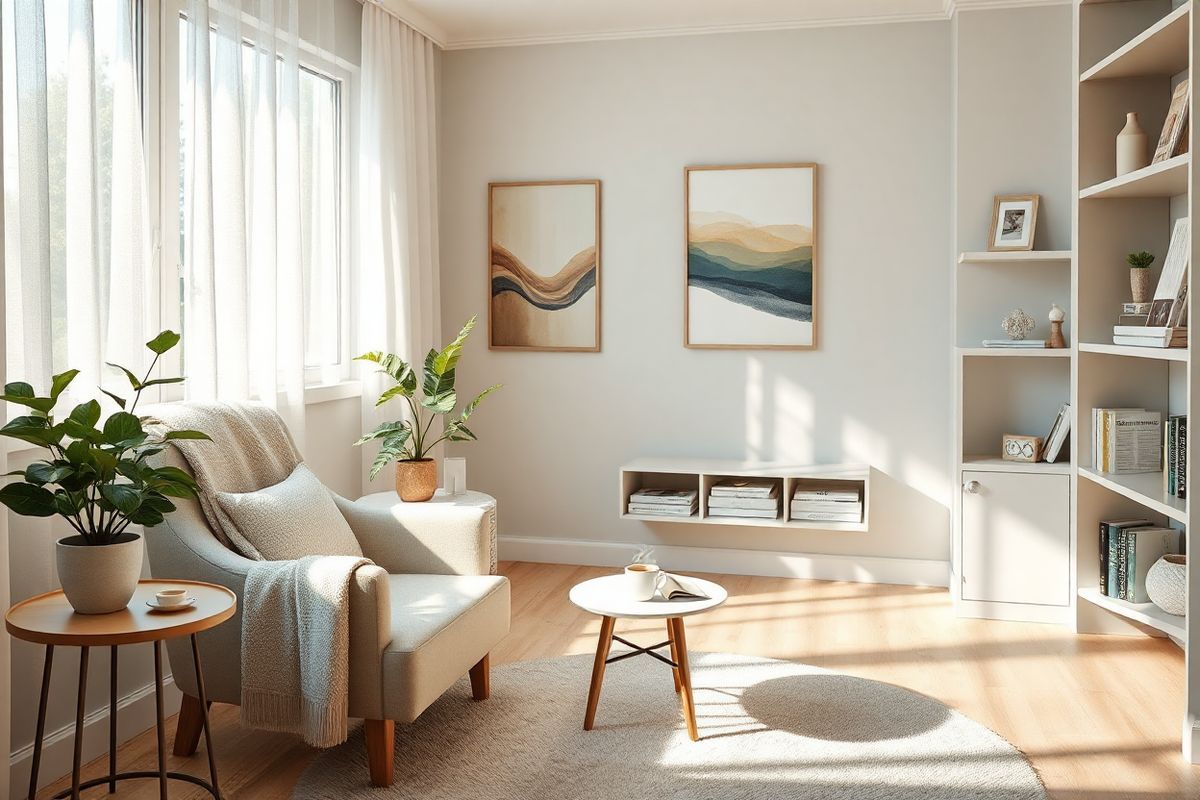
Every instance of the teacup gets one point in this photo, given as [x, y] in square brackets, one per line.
[171, 597]
[643, 580]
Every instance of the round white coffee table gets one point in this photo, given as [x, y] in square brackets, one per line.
[607, 598]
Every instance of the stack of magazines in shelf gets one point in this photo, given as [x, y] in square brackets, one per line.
[664, 502]
[1126, 440]
[1175, 452]
[744, 497]
[1163, 321]
[826, 505]
[1128, 548]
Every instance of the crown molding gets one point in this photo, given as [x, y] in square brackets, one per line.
[421, 23]
[949, 9]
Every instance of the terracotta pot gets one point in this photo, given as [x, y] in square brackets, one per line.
[99, 579]
[416, 481]
[1139, 283]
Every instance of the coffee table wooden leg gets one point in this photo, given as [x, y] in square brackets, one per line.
[685, 678]
[602, 647]
[674, 653]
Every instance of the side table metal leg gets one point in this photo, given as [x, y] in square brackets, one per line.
[162, 729]
[78, 757]
[41, 722]
[208, 745]
[112, 723]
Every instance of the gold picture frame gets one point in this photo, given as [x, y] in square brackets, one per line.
[544, 266]
[745, 218]
[1014, 222]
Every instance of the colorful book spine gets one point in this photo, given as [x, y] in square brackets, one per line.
[1104, 558]
[1172, 428]
[1181, 462]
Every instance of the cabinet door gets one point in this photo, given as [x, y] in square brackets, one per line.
[1016, 538]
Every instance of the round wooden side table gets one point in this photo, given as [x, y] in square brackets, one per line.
[49, 619]
[608, 598]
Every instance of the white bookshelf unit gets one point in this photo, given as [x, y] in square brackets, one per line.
[701, 474]
[1129, 57]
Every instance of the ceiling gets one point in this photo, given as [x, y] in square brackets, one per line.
[461, 24]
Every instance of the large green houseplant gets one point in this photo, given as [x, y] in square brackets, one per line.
[409, 441]
[98, 478]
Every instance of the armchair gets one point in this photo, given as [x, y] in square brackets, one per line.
[424, 615]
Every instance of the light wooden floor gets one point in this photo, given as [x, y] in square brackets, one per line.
[1098, 716]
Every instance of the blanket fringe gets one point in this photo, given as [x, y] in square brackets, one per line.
[316, 723]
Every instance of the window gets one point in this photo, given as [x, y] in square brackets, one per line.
[322, 182]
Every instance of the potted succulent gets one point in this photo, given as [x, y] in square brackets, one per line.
[1139, 275]
[409, 441]
[98, 479]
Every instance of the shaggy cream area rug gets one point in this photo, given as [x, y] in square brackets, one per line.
[769, 730]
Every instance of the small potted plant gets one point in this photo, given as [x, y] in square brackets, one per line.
[409, 441]
[98, 479]
[1139, 275]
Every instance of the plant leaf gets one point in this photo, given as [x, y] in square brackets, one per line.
[133, 379]
[28, 500]
[399, 390]
[391, 449]
[61, 381]
[120, 401]
[86, 413]
[162, 381]
[442, 403]
[124, 497]
[470, 409]
[386, 429]
[456, 431]
[169, 435]
[35, 430]
[22, 394]
[121, 427]
[448, 357]
[163, 342]
[40, 473]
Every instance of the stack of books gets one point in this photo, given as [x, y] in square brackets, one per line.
[827, 505]
[1128, 548]
[1126, 440]
[664, 502]
[1016, 344]
[1175, 450]
[1146, 336]
[744, 497]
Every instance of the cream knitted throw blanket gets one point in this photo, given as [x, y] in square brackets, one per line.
[295, 614]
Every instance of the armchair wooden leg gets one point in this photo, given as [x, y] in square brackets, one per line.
[481, 679]
[189, 725]
[381, 743]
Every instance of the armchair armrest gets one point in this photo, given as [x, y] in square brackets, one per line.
[435, 538]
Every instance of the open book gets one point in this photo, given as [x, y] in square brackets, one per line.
[677, 588]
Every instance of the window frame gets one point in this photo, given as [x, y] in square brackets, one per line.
[161, 48]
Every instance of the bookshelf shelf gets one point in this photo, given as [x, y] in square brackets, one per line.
[1143, 487]
[1016, 352]
[1161, 49]
[1130, 351]
[1016, 257]
[993, 464]
[1144, 613]
[701, 474]
[1164, 179]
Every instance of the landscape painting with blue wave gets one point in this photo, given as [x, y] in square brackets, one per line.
[750, 257]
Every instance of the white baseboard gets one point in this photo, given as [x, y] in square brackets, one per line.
[815, 566]
[135, 714]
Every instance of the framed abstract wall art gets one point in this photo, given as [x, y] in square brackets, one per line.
[751, 256]
[544, 265]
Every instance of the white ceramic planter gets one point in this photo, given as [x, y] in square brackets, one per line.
[99, 579]
[1166, 584]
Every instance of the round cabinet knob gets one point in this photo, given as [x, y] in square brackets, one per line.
[972, 487]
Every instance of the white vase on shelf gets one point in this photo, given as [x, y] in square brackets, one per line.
[1132, 146]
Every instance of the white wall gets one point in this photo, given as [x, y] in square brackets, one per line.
[872, 106]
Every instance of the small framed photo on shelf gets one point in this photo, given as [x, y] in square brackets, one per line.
[1014, 220]
[1172, 142]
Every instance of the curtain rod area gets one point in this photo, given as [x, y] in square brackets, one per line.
[403, 11]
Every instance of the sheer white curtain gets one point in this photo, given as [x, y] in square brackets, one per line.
[243, 315]
[398, 299]
[80, 289]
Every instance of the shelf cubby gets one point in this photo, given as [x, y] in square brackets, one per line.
[1164, 179]
[1146, 614]
[1143, 488]
[1161, 49]
[703, 473]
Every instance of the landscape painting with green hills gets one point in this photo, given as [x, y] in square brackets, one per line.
[750, 256]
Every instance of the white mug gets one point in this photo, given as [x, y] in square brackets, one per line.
[171, 597]
[643, 580]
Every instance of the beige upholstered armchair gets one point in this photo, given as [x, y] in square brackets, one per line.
[427, 613]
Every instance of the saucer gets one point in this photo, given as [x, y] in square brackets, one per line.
[188, 603]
